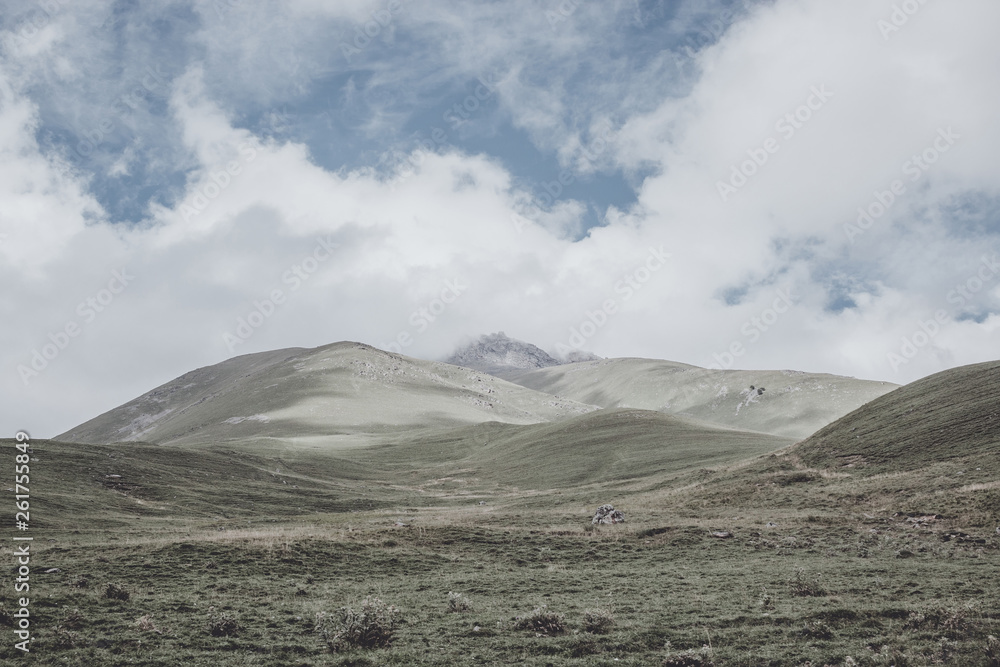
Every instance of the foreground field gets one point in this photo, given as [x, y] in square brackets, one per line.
[230, 564]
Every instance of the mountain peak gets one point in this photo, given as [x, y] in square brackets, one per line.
[502, 356]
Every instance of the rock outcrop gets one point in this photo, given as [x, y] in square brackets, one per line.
[502, 356]
[608, 514]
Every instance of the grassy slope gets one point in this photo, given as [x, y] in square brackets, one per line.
[953, 414]
[344, 388]
[794, 404]
[845, 571]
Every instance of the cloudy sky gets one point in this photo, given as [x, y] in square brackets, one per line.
[798, 184]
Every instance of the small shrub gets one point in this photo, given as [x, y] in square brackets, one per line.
[73, 620]
[224, 625]
[145, 623]
[459, 602]
[598, 621]
[766, 600]
[950, 621]
[542, 621]
[691, 658]
[80, 582]
[817, 630]
[802, 586]
[64, 639]
[117, 591]
[371, 627]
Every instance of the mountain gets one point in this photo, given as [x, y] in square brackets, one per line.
[502, 356]
[322, 396]
[784, 403]
[950, 415]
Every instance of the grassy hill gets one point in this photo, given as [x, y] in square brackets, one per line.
[335, 390]
[871, 543]
[785, 403]
[606, 447]
[951, 415]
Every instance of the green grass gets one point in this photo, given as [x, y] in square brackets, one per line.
[880, 549]
[238, 543]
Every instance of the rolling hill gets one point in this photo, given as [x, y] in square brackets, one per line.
[784, 403]
[316, 395]
[951, 415]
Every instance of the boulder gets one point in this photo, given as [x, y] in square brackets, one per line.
[608, 514]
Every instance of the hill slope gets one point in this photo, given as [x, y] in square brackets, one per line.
[792, 404]
[948, 415]
[598, 447]
[339, 389]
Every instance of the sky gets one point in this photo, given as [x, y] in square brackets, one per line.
[761, 184]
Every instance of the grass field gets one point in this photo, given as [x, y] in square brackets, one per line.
[874, 542]
[202, 537]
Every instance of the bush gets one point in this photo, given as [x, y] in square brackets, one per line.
[802, 586]
[371, 627]
[542, 621]
[117, 591]
[598, 621]
[817, 630]
[224, 625]
[73, 620]
[145, 623]
[691, 658]
[458, 602]
[64, 639]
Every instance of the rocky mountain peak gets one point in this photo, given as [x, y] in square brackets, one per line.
[500, 355]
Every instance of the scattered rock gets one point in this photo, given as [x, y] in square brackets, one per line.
[482, 502]
[608, 514]
[52, 570]
[401, 524]
[771, 524]
[724, 534]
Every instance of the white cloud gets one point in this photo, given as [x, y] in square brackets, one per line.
[254, 208]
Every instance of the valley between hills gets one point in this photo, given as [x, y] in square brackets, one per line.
[231, 516]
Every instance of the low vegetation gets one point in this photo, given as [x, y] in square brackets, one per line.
[397, 555]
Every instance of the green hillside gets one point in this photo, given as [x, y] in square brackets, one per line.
[951, 415]
[786, 403]
[336, 390]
